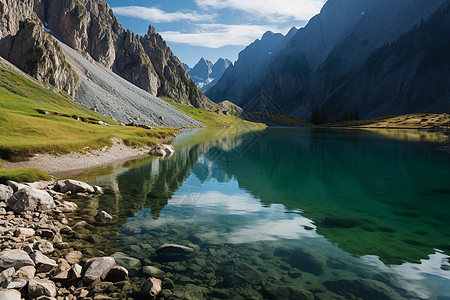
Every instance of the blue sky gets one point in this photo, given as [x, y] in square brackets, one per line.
[213, 28]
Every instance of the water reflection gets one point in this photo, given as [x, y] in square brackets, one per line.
[334, 212]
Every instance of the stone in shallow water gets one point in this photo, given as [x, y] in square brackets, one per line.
[151, 287]
[133, 265]
[73, 186]
[97, 268]
[117, 274]
[153, 271]
[367, 289]
[272, 291]
[305, 262]
[173, 251]
[103, 217]
[74, 257]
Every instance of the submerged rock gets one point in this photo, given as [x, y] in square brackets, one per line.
[74, 257]
[173, 251]
[367, 289]
[132, 264]
[14, 259]
[153, 272]
[272, 291]
[103, 217]
[73, 186]
[151, 287]
[117, 274]
[29, 199]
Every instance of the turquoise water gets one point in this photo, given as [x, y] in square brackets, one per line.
[288, 214]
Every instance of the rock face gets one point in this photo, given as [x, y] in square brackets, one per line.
[365, 66]
[25, 43]
[90, 26]
[242, 77]
[73, 186]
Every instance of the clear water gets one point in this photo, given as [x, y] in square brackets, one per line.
[286, 214]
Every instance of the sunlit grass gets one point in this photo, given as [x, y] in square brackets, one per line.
[24, 132]
[209, 118]
[22, 175]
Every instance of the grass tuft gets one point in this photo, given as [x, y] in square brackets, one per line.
[22, 175]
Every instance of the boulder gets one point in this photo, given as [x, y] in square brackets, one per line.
[41, 185]
[164, 150]
[5, 192]
[131, 264]
[29, 199]
[117, 274]
[43, 263]
[10, 295]
[73, 186]
[97, 268]
[15, 186]
[151, 287]
[103, 217]
[173, 251]
[14, 259]
[74, 257]
[41, 287]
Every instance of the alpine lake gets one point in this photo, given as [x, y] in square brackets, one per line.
[281, 213]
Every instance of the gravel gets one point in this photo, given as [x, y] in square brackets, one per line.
[110, 95]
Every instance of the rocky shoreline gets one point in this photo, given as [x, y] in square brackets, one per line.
[36, 263]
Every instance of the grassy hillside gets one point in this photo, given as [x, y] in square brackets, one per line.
[211, 119]
[24, 131]
[413, 121]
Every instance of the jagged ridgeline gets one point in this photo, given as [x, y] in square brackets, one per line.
[90, 27]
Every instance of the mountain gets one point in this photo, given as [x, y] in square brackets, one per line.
[90, 27]
[332, 69]
[186, 67]
[240, 78]
[205, 73]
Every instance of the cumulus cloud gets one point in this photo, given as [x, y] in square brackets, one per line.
[271, 10]
[219, 35]
[156, 15]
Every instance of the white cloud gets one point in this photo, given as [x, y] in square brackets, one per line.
[272, 10]
[219, 35]
[156, 15]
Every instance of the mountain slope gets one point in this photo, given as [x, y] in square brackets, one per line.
[90, 27]
[110, 95]
[241, 78]
[328, 65]
[205, 73]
